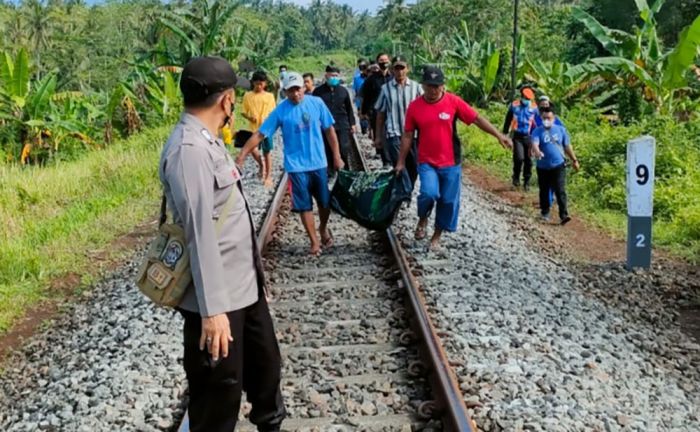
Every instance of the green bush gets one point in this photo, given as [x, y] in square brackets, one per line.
[599, 189]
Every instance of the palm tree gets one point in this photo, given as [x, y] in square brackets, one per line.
[39, 29]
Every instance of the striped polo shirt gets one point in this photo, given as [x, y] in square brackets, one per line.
[393, 101]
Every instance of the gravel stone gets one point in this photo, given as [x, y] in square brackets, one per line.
[549, 344]
[111, 362]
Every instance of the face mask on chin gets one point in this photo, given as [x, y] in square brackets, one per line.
[525, 101]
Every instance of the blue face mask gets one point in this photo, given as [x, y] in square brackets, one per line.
[283, 74]
[525, 102]
[334, 81]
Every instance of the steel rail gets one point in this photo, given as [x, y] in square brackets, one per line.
[449, 401]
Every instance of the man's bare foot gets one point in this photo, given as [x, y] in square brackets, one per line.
[435, 241]
[327, 238]
[315, 250]
[267, 182]
[420, 229]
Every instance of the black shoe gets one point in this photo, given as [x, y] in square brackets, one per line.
[565, 220]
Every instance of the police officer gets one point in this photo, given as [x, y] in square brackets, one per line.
[229, 339]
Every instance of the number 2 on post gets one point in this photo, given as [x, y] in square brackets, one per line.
[640, 240]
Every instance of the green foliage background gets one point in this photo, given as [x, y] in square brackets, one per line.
[101, 93]
[597, 192]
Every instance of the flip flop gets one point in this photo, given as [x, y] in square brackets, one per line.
[315, 253]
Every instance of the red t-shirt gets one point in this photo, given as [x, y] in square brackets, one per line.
[436, 123]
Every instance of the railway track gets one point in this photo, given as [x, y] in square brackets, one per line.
[359, 350]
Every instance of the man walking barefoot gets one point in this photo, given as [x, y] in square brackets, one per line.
[303, 120]
[434, 117]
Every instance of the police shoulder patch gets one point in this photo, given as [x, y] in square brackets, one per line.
[205, 133]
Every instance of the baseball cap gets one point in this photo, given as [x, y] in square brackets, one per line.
[208, 75]
[544, 98]
[400, 60]
[433, 75]
[293, 79]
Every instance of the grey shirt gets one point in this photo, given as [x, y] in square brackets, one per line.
[198, 175]
[393, 101]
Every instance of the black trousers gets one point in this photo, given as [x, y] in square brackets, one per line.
[392, 148]
[521, 158]
[555, 180]
[253, 364]
[344, 147]
[373, 127]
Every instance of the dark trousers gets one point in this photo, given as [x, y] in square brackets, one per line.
[253, 365]
[344, 147]
[373, 127]
[555, 180]
[521, 158]
[392, 148]
[364, 126]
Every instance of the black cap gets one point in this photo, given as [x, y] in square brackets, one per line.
[258, 76]
[332, 69]
[400, 60]
[433, 75]
[205, 76]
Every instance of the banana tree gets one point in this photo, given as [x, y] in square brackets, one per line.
[638, 60]
[475, 63]
[561, 81]
[199, 28]
[24, 104]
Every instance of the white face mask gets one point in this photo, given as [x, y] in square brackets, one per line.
[547, 123]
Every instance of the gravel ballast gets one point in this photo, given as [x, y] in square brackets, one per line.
[548, 345]
[111, 362]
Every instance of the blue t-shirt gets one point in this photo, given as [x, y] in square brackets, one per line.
[302, 131]
[552, 143]
[357, 82]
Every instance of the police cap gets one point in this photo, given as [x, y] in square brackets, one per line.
[205, 76]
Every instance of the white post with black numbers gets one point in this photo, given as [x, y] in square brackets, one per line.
[641, 155]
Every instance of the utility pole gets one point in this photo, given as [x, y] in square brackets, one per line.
[515, 49]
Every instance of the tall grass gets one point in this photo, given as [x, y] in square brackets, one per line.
[56, 217]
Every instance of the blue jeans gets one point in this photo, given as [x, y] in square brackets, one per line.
[440, 188]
